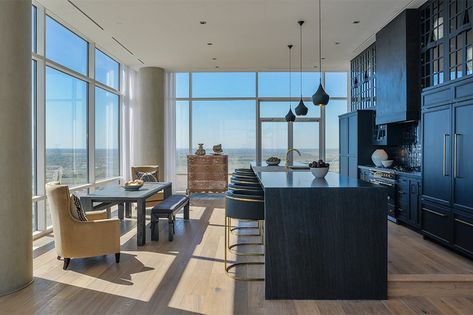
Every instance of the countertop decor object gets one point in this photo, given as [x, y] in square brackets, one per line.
[273, 161]
[387, 163]
[378, 156]
[217, 149]
[319, 172]
[320, 97]
[133, 185]
[200, 150]
[290, 117]
[301, 109]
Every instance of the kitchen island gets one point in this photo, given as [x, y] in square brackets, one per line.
[324, 238]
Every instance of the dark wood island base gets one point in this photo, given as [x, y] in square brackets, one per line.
[324, 239]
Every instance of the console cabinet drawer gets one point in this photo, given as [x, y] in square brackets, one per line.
[463, 233]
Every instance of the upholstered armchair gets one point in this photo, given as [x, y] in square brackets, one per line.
[157, 198]
[79, 239]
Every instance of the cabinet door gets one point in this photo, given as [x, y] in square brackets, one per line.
[414, 202]
[353, 166]
[462, 157]
[463, 233]
[437, 155]
[344, 165]
[344, 138]
[436, 222]
[353, 135]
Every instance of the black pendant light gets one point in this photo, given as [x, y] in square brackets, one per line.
[290, 117]
[301, 109]
[320, 97]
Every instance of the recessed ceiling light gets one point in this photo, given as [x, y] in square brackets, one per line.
[356, 22]
[323, 58]
[216, 67]
[214, 58]
[337, 43]
[203, 22]
[209, 44]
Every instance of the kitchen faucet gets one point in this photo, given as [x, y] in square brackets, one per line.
[287, 155]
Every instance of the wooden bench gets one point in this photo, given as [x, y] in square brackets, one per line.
[167, 209]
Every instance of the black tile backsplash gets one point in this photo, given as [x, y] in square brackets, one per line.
[409, 152]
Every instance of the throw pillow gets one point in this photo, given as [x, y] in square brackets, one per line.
[147, 176]
[76, 209]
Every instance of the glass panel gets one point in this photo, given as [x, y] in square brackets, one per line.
[274, 140]
[332, 112]
[182, 144]
[33, 29]
[306, 140]
[65, 47]
[224, 84]
[66, 128]
[230, 123]
[276, 84]
[106, 70]
[182, 85]
[107, 126]
[280, 109]
[33, 124]
[35, 216]
[336, 84]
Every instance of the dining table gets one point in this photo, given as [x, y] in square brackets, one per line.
[115, 194]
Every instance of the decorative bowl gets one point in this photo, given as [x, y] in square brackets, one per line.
[319, 172]
[132, 187]
[273, 161]
[378, 156]
[387, 163]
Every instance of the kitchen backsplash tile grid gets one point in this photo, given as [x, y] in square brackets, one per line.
[409, 153]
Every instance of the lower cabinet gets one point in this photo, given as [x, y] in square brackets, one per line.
[449, 227]
[408, 201]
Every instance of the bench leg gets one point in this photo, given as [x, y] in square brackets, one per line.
[186, 211]
[171, 228]
[154, 227]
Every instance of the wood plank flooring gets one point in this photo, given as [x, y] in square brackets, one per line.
[186, 276]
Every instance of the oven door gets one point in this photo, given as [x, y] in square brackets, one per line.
[391, 188]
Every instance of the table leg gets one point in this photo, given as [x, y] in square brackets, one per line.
[141, 222]
[167, 191]
[121, 211]
[128, 209]
[186, 211]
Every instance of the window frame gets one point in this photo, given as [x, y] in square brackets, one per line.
[41, 226]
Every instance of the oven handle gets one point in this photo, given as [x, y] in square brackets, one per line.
[373, 181]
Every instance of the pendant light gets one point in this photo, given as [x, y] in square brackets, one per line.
[301, 109]
[320, 97]
[290, 117]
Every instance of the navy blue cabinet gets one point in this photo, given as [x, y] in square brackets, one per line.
[408, 200]
[356, 132]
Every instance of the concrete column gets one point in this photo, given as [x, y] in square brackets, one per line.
[16, 244]
[148, 124]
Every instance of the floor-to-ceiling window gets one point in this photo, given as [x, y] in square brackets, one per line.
[76, 112]
[244, 111]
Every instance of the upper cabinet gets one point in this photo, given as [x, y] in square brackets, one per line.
[398, 69]
[363, 80]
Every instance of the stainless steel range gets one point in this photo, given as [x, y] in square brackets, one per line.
[387, 178]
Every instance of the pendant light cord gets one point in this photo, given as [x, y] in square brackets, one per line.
[320, 40]
[302, 22]
[290, 76]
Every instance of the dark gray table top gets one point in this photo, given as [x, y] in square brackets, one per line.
[280, 177]
[116, 192]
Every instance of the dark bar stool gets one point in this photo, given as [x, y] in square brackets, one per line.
[246, 190]
[242, 207]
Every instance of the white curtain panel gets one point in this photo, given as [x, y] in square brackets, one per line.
[170, 129]
[128, 109]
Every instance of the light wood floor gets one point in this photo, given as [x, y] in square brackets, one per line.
[186, 277]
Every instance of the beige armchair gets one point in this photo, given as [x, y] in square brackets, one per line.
[157, 198]
[79, 239]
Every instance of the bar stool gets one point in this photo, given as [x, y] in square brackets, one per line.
[242, 207]
[246, 190]
[244, 171]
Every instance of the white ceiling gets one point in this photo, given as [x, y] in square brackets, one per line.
[246, 34]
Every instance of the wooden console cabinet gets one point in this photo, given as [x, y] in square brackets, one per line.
[207, 173]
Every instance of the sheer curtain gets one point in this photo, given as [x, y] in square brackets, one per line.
[170, 129]
[128, 109]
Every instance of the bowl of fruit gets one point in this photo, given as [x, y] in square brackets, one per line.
[273, 161]
[133, 185]
[319, 168]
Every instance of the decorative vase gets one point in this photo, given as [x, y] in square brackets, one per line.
[200, 150]
[378, 156]
[217, 149]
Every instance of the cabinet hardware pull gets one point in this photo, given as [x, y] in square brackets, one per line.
[444, 155]
[464, 222]
[434, 212]
[455, 156]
